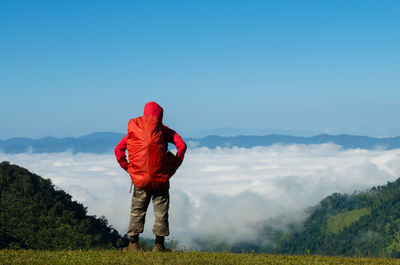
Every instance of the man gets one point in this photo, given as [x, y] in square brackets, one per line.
[150, 167]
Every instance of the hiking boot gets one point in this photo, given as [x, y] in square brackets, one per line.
[160, 248]
[132, 247]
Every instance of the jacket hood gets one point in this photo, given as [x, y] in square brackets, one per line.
[153, 109]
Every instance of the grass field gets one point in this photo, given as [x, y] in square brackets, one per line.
[118, 257]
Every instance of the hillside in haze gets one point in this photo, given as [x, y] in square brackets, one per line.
[361, 224]
[104, 142]
[35, 215]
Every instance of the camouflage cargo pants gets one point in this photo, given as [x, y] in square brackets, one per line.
[140, 202]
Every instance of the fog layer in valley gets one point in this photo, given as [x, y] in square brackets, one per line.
[225, 192]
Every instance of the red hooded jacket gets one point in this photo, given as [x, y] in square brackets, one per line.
[141, 160]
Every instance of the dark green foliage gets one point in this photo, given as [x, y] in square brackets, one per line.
[373, 229]
[34, 215]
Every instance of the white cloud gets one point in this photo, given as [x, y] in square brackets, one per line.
[225, 191]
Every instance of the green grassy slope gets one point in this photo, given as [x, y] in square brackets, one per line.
[176, 258]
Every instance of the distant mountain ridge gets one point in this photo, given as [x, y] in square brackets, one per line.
[104, 142]
[98, 142]
[344, 140]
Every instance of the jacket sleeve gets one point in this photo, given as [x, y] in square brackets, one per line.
[120, 153]
[174, 138]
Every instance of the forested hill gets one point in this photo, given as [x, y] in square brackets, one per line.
[34, 215]
[364, 224]
[105, 142]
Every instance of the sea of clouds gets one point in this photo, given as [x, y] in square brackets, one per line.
[224, 192]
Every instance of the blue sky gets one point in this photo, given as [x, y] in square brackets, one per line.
[69, 68]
